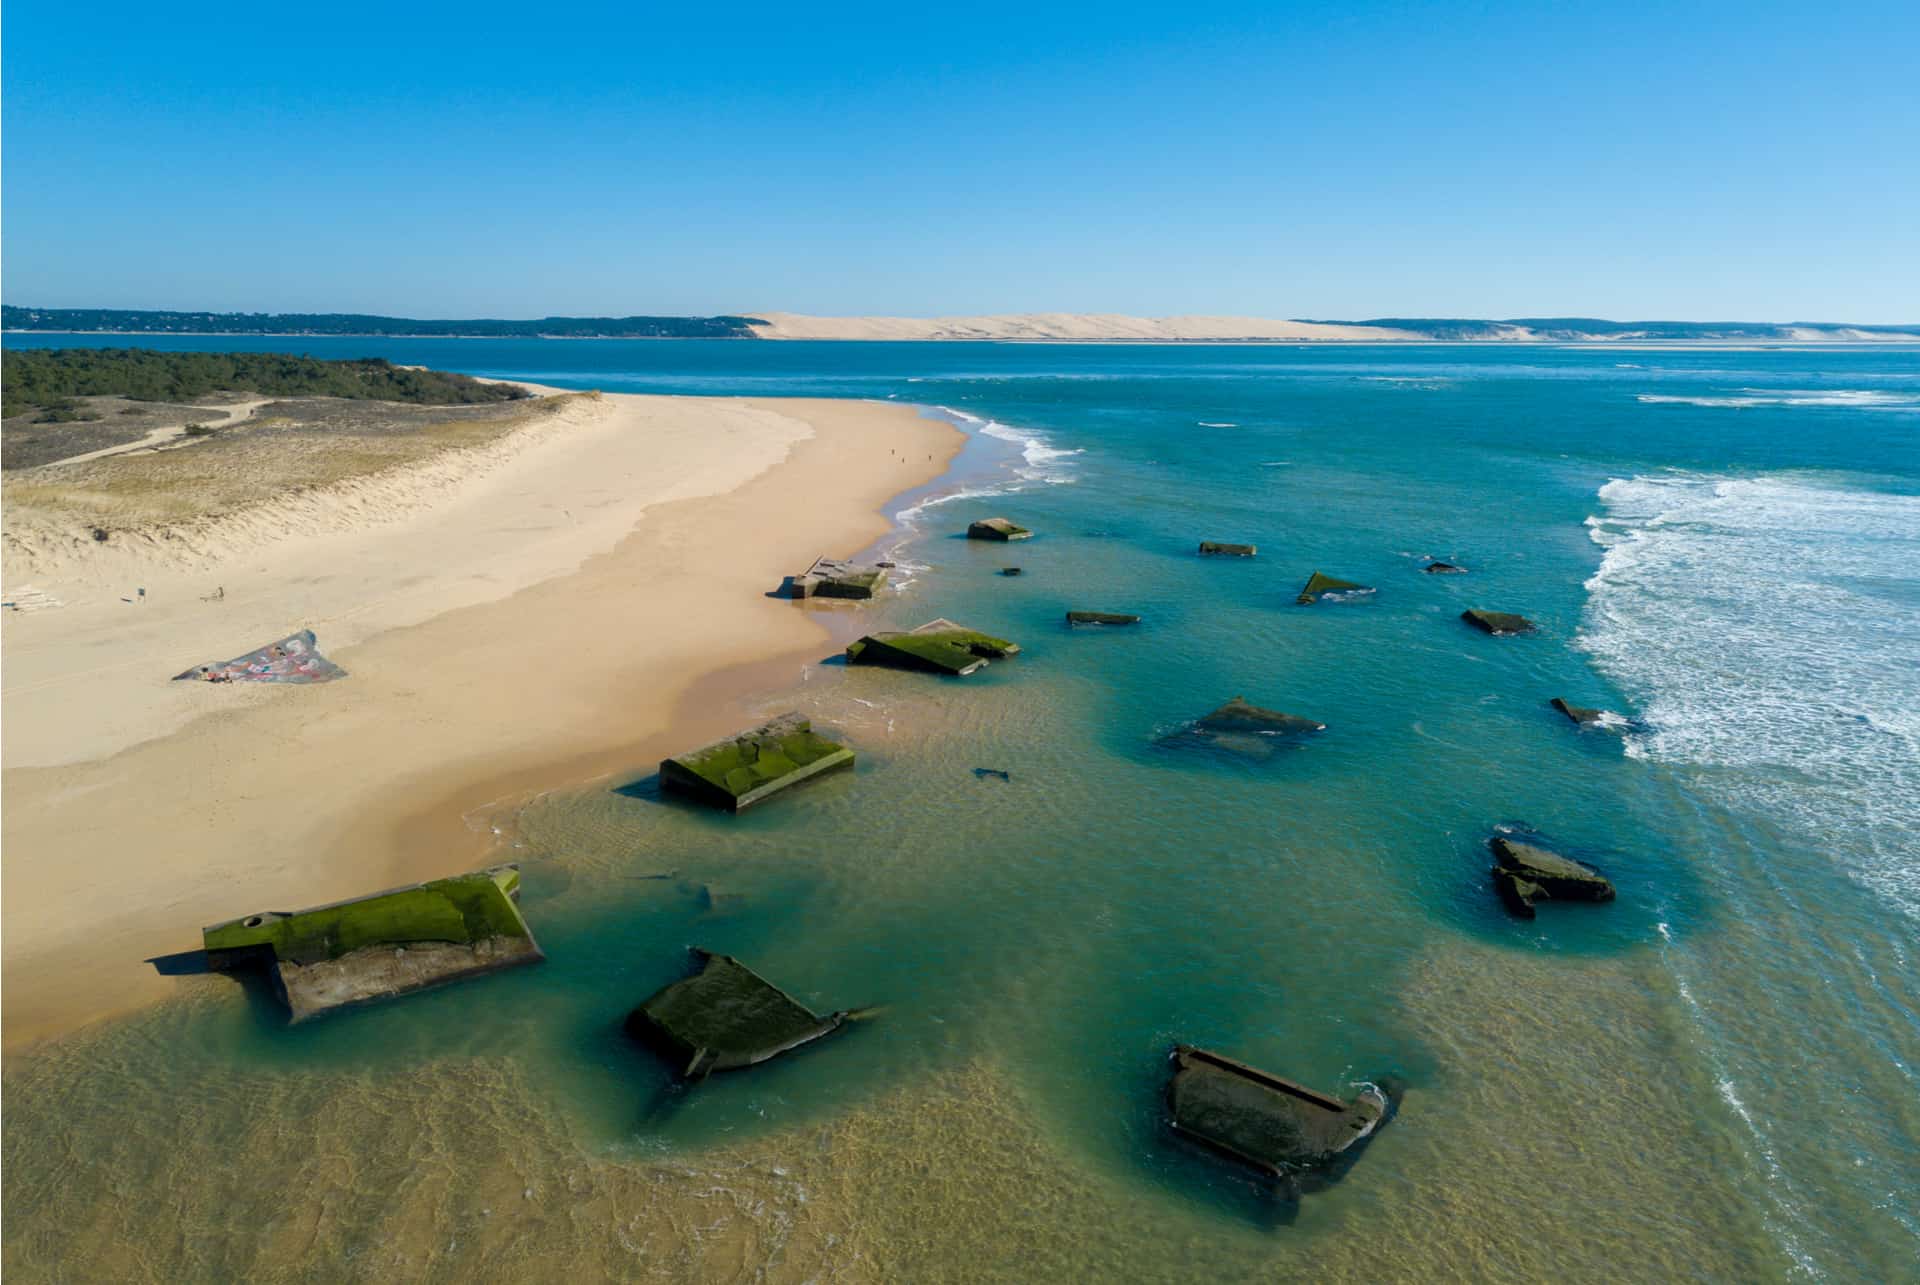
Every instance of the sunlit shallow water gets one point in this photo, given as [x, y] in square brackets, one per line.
[1712, 1076]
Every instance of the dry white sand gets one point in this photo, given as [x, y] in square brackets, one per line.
[1064, 326]
[516, 617]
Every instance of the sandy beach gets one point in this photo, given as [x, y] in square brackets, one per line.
[575, 598]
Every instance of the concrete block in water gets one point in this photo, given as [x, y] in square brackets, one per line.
[1101, 618]
[382, 945]
[997, 529]
[723, 1018]
[1281, 1128]
[1319, 584]
[1525, 873]
[1498, 623]
[1009, 571]
[1214, 548]
[832, 578]
[741, 770]
[1438, 568]
[1239, 715]
[1580, 713]
[939, 646]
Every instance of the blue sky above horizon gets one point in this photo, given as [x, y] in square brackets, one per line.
[1689, 162]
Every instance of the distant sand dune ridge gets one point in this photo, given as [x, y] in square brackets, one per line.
[1063, 327]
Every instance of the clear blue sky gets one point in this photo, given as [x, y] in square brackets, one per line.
[1740, 161]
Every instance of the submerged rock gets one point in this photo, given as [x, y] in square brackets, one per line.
[1009, 571]
[939, 646]
[1283, 1129]
[1237, 715]
[997, 529]
[1499, 623]
[1101, 618]
[1438, 568]
[382, 945]
[723, 1018]
[993, 774]
[1214, 548]
[1319, 585]
[832, 578]
[1524, 873]
[741, 770]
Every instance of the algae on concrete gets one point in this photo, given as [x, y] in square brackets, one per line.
[1281, 1128]
[1214, 548]
[384, 944]
[1240, 715]
[1524, 873]
[1498, 623]
[1319, 584]
[997, 529]
[939, 646]
[1101, 618]
[832, 578]
[1579, 713]
[725, 1017]
[741, 770]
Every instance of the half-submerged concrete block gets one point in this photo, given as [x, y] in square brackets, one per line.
[1498, 623]
[997, 529]
[832, 578]
[725, 1017]
[1214, 548]
[386, 944]
[1283, 1129]
[1101, 618]
[939, 647]
[1238, 715]
[1320, 585]
[1438, 568]
[739, 771]
[1524, 873]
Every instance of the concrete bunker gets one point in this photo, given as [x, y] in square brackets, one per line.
[723, 1018]
[997, 529]
[1524, 873]
[1219, 549]
[832, 578]
[739, 771]
[1282, 1129]
[1320, 585]
[939, 646]
[1501, 624]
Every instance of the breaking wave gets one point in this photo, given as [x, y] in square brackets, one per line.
[1769, 629]
[1855, 398]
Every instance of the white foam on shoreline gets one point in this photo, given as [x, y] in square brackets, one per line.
[1845, 398]
[1768, 628]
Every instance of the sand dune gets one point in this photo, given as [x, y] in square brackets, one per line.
[1062, 326]
[514, 617]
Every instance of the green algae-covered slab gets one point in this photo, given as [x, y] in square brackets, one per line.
[725, 1017]
[1281, 1128]
[741, 770]
[1214, 548]
[997, 529]
[1319, 583]
[1101, 618]
[1525, 873]
[832, 578]
[1239, 715]
[1499, 623]
[386, 944]
[939, 647]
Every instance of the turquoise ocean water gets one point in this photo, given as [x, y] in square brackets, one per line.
[1714, 1076]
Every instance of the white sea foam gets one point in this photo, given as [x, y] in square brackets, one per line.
[1043, 461]
[1222, 423]
[1769, 629]
[1854, 398]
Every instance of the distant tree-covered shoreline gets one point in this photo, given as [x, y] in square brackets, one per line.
[50, 378]
[129, 321]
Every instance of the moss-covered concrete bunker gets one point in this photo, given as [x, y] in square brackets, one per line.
[1320, 584]
[723, 1018]
[1498, 623]
[1281, 1128]
[382, 945]
[939, 646]
[739, 771]
[1218, 549]
[832, 578]
[1579, 713]
[1525, 873]
[997, 529]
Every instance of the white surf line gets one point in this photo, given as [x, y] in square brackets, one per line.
[159, 437]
